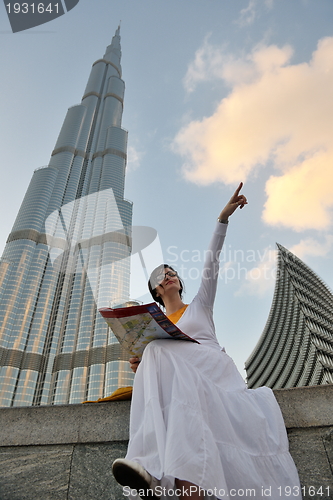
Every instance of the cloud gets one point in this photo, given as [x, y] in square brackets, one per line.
[311, 247]
[261, 278]
[249, 14]
[276, 113]
[134, 158]
[302, 198]
[208, 63]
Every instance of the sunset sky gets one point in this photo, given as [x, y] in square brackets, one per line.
[217, 92]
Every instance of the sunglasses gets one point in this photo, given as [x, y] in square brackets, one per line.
[161, 277]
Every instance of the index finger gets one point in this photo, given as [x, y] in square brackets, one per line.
[239, 188]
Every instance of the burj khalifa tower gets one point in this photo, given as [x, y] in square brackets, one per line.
[67, 255]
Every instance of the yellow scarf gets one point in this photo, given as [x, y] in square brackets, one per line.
[174, 317]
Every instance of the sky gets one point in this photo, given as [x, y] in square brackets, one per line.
[217, 92]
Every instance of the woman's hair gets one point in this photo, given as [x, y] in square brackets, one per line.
[153, 283]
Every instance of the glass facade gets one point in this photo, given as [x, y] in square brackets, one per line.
[69, 254]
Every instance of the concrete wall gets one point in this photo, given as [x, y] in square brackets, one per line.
[66, 452]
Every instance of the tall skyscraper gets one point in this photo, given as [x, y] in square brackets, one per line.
[296, 346]
[69, 254]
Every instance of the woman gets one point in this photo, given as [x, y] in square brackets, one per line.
[195, 429]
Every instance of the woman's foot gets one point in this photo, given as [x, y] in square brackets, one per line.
[189, 490]
[133, 475]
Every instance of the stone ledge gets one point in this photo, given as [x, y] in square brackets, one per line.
[306, 406]
[66, 452]
[60, 472]
[65, 424]
[302, 407]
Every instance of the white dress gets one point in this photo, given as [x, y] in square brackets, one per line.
[193, 418]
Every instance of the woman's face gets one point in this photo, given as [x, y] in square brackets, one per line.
[168, 282]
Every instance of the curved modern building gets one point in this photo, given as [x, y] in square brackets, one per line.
[296, 346]
[67, 255]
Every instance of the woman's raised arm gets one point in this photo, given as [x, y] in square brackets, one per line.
[207, 289]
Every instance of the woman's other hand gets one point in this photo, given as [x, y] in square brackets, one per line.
[134, 363]
[237, 200]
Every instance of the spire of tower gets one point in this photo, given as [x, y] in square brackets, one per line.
[113, 51]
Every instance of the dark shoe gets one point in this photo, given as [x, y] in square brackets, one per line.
[132, 474]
